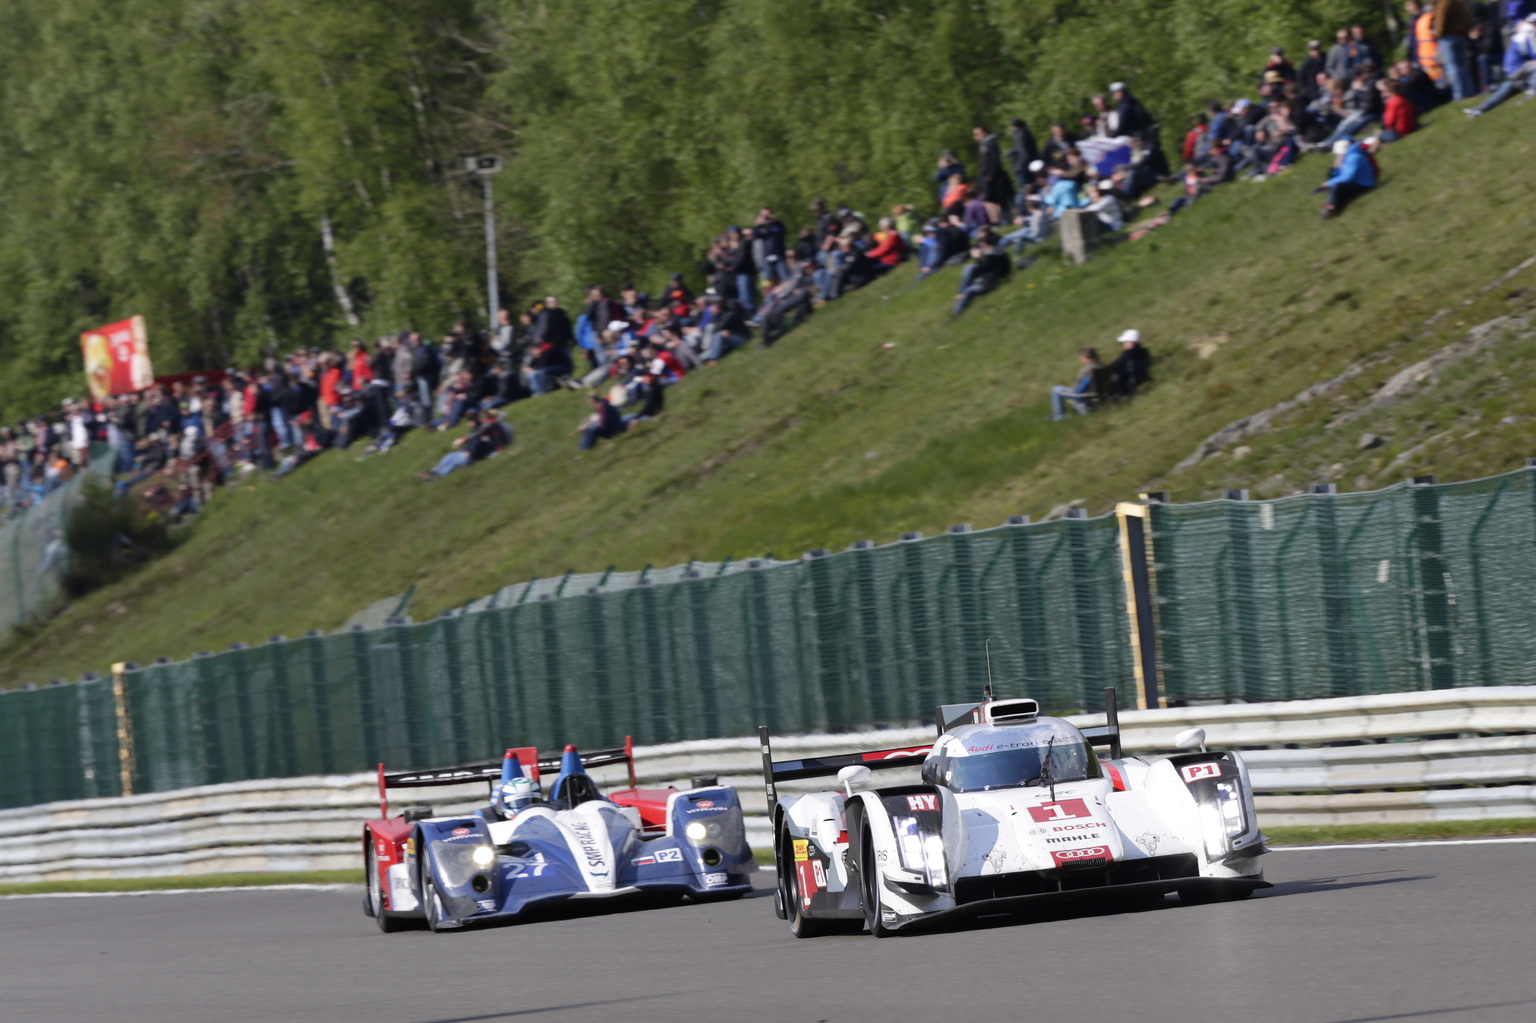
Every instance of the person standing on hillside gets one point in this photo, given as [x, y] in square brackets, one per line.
[1452, 24]
[769, 242]
[993, 186]
[1022, 150]
[1129, 117]
[1311, 67]
[1337, 63]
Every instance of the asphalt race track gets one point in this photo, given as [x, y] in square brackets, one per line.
[1431, 933]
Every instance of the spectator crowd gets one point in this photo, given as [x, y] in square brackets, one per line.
[761, 279]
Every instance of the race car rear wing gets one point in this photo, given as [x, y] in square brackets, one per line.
[775, 771]
[533, 766]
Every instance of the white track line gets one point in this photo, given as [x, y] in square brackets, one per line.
[192, 891]
[1406, 844]
[1514, 840]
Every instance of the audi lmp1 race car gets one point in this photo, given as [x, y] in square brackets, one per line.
[1015, 810]
[524, 849]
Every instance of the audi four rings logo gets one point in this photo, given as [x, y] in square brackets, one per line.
[1081, 854]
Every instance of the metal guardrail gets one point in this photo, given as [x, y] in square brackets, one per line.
[1445, 755]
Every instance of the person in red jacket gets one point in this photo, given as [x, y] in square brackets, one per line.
[362, 371]
[1398, 118]
[888, 249]
[1193, 136]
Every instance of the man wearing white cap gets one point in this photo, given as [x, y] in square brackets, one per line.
[1129, 117]
[1133, 367]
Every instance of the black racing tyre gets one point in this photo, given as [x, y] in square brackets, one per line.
[800, 925]
[432, 903]
[373, 896]
[871, 887]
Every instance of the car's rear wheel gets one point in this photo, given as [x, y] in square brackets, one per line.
[373, 895]
[800, 925]
[871, 887]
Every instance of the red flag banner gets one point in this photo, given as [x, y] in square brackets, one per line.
[117, 358]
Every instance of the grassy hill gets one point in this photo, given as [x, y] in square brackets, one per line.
[884, 414]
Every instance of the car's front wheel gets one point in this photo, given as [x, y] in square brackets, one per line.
[438, 920]
[872, 887]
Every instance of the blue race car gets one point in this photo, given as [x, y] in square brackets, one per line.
[525, 849]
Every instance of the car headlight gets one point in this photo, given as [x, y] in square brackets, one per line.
[483, 855]
[696, 831]
[1215, 832]
[923, 854]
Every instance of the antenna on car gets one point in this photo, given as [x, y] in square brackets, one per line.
[986, 694]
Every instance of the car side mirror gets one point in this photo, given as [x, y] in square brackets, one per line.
[855, 776]
[1190, 738]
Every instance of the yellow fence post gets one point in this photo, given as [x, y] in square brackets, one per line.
[1135, 559]
[124, 728]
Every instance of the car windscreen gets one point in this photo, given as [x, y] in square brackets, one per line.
[1009, 768]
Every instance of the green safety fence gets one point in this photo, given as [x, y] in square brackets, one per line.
[33, 554]
[857, 639]
[1418, 586]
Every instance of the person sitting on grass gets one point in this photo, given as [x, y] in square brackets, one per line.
[605, 421]
[1062, 395]
[489, 436]
[1398, 117]
[990, 267]
[1353, 175]
[1133, 369]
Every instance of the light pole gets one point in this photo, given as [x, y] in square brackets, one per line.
[486, 167]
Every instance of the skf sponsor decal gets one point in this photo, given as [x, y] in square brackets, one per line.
[1065, 809]
[802, 850]
[930, 801]
[1086, 856]
[1194, 772]
[588, 843]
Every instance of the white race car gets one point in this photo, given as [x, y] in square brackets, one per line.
[1015, 809]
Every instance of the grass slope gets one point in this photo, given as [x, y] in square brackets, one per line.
[884, 414]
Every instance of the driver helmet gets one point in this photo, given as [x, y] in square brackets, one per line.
[516, 795]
